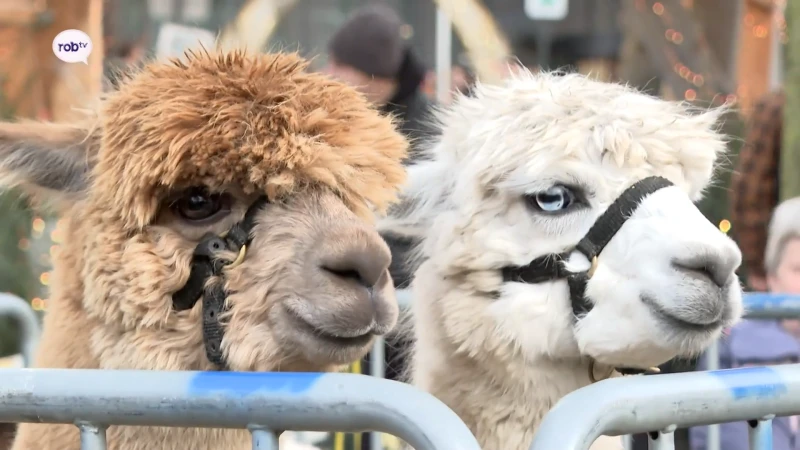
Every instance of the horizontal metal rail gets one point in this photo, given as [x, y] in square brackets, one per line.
[21, 311]
[268, 401]
[759, 305]
[665, 402]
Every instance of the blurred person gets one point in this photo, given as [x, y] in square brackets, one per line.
[462, 80]
[754, 343]
[754, 185]
[766, 342]
[119, 58]
[370, 53]
[782, 255]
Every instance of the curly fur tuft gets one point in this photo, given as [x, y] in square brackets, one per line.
[263, 122]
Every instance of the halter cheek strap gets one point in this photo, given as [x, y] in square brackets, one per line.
[207, 263]
[552, 267]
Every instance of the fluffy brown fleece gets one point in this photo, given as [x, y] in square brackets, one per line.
[236, 123]
[263, 122]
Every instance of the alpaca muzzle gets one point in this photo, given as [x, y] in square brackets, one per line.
[207, 263]
[551, 267]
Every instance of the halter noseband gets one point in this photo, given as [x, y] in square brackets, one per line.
[207, 262]
[552, 266]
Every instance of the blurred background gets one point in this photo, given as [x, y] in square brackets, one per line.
[708, 52]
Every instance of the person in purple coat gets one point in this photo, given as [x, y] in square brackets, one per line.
[754, 343]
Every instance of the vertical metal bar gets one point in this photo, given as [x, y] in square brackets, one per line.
[93, 437]
[263, 438]
[377, 359]
[662, 440]
[20, 310]
[444, 55]
[627, 442]
[377, 368]
[761, 433]
[712, 363]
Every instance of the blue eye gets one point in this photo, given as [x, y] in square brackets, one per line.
[555, 199]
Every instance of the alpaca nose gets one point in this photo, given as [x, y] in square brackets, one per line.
[717, 266]
[363, 261]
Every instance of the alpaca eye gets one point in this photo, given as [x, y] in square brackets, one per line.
[198, 205]
[554, 199]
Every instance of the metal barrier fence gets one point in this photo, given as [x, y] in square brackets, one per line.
[19, 309]
[259, 402]
[666, 402]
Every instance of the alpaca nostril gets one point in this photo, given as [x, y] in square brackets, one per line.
[358, 258]
[348, 275]
[362, 267]
[706, 268]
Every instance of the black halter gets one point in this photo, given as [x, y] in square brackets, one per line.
[207, 263]
[551, 267]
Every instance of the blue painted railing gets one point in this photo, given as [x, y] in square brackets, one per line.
[666, 402]
[259, 402]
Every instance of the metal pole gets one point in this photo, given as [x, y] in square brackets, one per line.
[444, 56]
[11, 305]
[761, 434]
[664, 440]
[263, 439]
[404, 299]
[712, 363]
[377, 369]
[275, 401]
[544, 43]
[93, 437]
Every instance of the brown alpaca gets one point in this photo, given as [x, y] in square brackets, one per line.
[183, 149]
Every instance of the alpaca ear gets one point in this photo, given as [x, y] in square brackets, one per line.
[49, 162]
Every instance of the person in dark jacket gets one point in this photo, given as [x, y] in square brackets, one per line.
[371, 53]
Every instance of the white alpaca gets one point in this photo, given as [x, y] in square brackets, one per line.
[525, 170]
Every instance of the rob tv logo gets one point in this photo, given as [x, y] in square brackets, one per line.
[72, 46]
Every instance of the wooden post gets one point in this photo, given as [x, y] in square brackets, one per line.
[601, 69]
[69, 87]
[22, 92]
[790, 148]
[754, 53]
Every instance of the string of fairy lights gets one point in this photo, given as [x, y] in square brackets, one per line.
[41, 247]
[701, 82]
[759, 29]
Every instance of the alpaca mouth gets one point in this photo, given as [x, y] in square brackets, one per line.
[327, 337]
[681, 323]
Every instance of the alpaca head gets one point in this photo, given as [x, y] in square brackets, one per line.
[186, 148]
[524, 170]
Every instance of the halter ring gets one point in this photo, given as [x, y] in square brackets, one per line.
[239, 258]
[592, 268]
